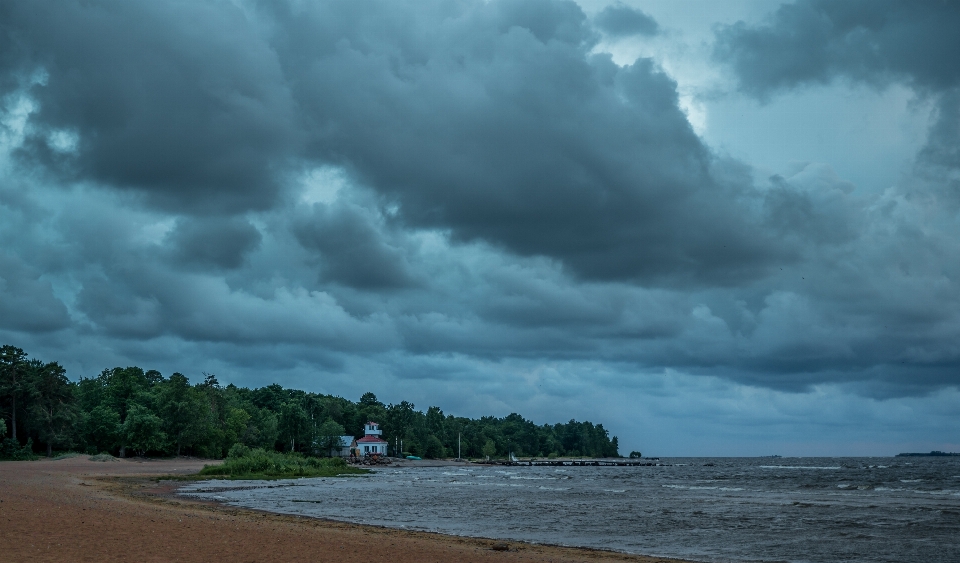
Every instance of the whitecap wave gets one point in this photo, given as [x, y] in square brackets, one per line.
[800, 467]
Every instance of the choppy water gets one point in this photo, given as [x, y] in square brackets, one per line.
[709, 509]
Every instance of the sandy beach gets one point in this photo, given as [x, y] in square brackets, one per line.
[80, 510]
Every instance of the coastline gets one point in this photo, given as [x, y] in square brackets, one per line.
[78, 510]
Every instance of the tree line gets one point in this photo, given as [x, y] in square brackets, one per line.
[131, 411]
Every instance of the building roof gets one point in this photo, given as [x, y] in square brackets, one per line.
[369, 423]
[369, 439]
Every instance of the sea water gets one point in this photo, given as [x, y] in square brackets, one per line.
[707, 509]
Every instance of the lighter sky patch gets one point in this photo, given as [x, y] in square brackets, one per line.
[868, 135]
[322, 185]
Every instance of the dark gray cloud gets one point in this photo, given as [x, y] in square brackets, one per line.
[352, 249]
[179, 102]
[217, 242]
[619, 20]
[27, 301]
[497, 125]
[519, 137]
[816, 41]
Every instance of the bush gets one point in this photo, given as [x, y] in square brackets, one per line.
[245, 463]
[11, 450]
[238, 450]
[434, 449]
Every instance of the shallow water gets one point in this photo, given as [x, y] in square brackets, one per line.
[707, 509]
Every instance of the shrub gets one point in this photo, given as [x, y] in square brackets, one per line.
[11, 450]
[243, 462]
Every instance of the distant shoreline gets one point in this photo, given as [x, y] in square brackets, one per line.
[934, 453]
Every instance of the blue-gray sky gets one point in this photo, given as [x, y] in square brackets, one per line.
[718, 228]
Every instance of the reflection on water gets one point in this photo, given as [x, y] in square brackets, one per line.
[737, 509]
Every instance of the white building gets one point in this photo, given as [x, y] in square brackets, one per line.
[371, 443]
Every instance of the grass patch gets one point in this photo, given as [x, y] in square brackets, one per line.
[102, 457]
[245, 463]
[66, 455]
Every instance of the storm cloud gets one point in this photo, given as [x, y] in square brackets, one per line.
[497, 124]
[619, 20]
[469, 201]
[177, 101]
[817, 41]
[223, 242]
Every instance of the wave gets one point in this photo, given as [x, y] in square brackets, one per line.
[695, 488]
[833, 467]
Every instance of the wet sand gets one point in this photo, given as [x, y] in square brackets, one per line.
[80, 510]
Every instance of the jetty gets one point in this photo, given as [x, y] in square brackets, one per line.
[649, 462]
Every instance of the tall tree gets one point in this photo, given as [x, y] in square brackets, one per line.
[489, 448]
[143, 430]
[218, 431]
[399, 422]
[103, 428]
[435, 422]
[52, 406]
[263, 430]
[183, 410]
[123, 388]
[12, 363]
[329, 435]
[433, 448]
[293, 423]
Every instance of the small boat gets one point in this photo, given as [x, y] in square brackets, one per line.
[413, 457]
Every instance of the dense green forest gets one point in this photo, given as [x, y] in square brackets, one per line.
[130, 411]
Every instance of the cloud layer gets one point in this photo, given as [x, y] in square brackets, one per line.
[465, 193]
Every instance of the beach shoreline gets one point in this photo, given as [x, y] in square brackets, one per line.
[79, 510]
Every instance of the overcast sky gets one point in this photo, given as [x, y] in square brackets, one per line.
[718, 228]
